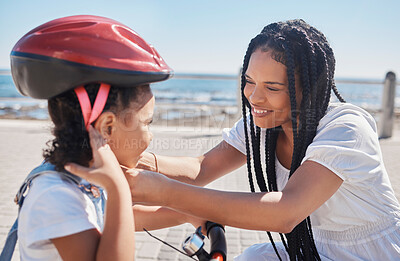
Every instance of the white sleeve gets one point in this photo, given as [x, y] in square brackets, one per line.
[57, 212]
[347, 144]
[235, 136]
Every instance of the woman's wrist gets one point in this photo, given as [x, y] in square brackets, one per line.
[167, 191]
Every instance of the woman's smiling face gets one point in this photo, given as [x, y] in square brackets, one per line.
[267, 91]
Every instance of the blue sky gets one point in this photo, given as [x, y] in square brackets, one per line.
[211, 36]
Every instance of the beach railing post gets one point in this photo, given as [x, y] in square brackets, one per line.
[386, 118]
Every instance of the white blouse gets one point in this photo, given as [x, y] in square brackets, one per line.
[362, 219]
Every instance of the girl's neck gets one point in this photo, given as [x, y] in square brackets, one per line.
[131, 164]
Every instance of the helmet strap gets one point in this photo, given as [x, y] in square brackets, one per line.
[91, 114]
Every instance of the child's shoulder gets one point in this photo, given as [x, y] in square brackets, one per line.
[52, 180]
[50, 188]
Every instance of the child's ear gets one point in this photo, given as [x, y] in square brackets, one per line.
[105, 124]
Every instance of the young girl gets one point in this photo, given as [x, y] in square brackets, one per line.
[318, 166]
[95, 73]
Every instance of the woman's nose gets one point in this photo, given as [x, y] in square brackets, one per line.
[257, 95]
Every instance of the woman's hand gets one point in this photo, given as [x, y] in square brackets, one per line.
[147, 187]
[105, 170]
[147, 161]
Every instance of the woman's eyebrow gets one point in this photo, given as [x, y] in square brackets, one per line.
[278, 83]
[267, 82]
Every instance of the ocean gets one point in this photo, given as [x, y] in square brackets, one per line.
[184, 92]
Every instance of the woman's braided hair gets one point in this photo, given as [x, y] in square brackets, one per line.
[305, 51]
[71, 139]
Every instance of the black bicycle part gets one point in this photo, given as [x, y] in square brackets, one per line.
[216, 234]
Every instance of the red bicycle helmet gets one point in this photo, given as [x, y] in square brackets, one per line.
[65, 53]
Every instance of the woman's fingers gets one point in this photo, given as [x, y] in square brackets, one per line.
[146, 161]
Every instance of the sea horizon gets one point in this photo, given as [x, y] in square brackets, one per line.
[201, 93]
[371, 80]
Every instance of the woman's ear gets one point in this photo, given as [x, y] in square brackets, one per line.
[105, 124]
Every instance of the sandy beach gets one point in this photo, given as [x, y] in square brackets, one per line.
[23, 140]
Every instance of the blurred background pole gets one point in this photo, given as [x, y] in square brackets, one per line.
[386, 118]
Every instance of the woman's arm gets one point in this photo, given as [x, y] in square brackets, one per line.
[199, 171]
[310, 186]
[117, 240]
[155, 217]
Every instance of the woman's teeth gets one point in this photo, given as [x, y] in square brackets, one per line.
[260, 111]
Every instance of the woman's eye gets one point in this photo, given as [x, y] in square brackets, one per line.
[249, 82]
[272, 89]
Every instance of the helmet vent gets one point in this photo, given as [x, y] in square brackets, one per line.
[70, 26]
[133, 38]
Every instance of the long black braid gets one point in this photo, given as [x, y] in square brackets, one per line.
[306, 52]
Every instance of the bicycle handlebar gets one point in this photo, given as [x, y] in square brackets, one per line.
[216, 234]
[194, 244]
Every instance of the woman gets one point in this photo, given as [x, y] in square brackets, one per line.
[318, 166]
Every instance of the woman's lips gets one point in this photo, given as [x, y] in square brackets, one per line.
[259, 112]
